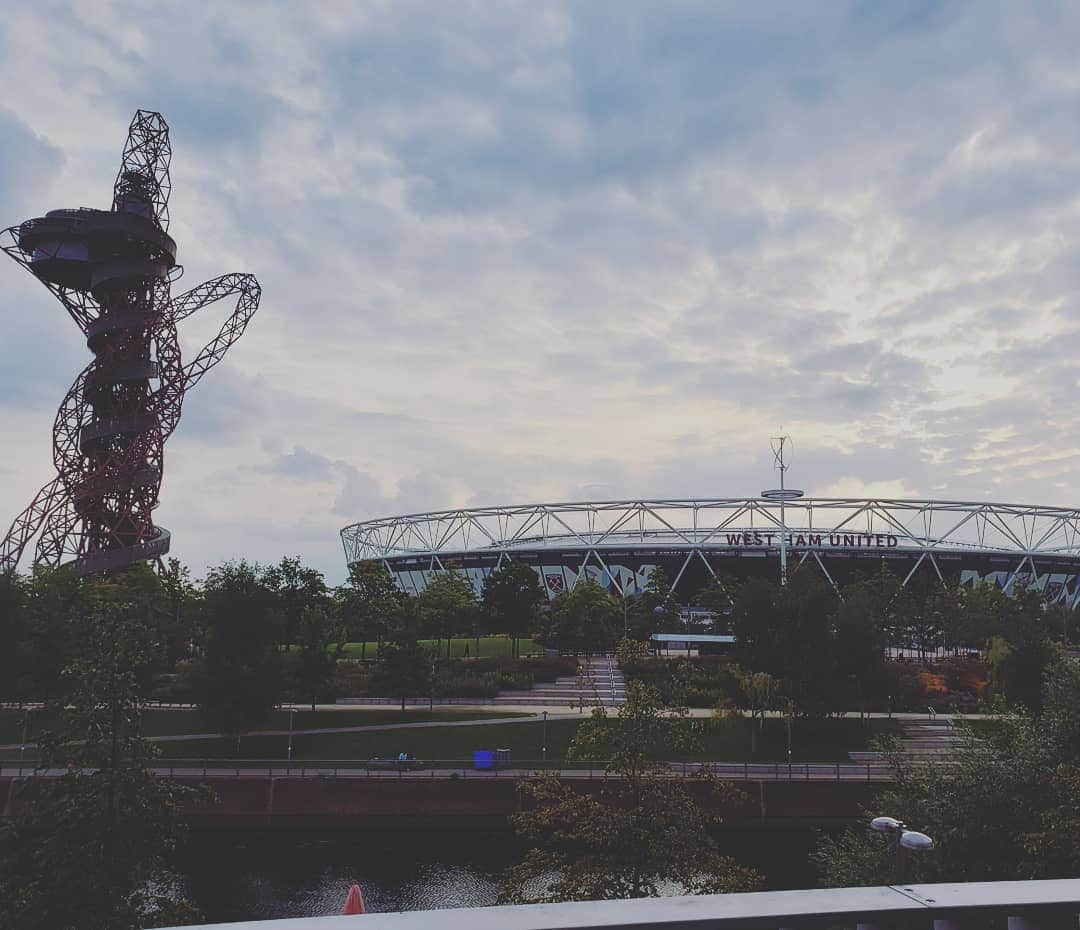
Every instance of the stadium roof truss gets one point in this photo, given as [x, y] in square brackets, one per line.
[925, 529]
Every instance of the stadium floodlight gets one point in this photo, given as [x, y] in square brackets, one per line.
[112, 271]
[885, 824]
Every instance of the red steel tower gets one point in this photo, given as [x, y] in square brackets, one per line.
[113, 270]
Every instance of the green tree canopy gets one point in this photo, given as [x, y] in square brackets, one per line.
[511, 600]
[1004, 808]
[447, 606]
[89, 849]
[369, 603]
[653, 610]
[312, 664]
[239, 679]
[404, 670]
[295, 588]
[584, 619]
[778, 627]
[643, 830]
[15, 684]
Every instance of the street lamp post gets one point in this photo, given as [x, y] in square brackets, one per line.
[292, 711]
[22, 745]
[543, 743]
[906, 839]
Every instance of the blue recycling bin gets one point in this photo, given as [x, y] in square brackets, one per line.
[483, 759]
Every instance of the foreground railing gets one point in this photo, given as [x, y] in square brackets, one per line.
[462, 768]
[1045, 905]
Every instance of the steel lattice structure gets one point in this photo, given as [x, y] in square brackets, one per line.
[612, 541]
[112, 270]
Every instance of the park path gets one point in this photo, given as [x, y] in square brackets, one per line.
[554, 712]
[732, 771]
[354, 728]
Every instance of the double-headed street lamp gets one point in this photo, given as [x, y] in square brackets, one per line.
[906, 839]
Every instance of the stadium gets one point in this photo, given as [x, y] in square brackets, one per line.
[620, 543]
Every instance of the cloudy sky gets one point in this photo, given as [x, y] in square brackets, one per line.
[552, 251]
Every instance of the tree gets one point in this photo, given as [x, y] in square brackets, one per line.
[296, 588]
[718, 596]
[780, 626]
[994, 811]
[447, 606]
[653, 610]
[511, 600]
[643, 830]
[583, 619]
[89, 849]
[369, 603]
[239, 678]
[404, 669]
[979, 616]
[53, 600]
[1026, 628]
[756, 618]
[922, 607]
[13, 634]
[761, 691]
[860, 645]
[181, 601]
[313, 664]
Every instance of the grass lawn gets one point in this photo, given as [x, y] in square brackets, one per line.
[166, 722]
[522, 739]
[984, 729]
[490, 646]
[828, 740]
[812, 741]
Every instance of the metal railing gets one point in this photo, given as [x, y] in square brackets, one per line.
[1028, 905]
[877, 771]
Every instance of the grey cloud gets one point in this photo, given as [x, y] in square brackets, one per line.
[302, 465]
[28, 162]
[523, 251]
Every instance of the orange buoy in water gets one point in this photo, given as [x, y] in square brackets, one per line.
[354, 901]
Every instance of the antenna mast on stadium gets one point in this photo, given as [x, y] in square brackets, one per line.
[783, 495]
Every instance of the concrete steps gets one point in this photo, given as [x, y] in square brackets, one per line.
[922, 741]
[600, 679]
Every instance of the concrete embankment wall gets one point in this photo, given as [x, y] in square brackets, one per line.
[342, 802]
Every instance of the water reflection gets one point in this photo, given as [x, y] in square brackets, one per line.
[256, 876]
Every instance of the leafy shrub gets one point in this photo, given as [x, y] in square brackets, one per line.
[351, 679]
[697, 682]
[933, 684]
[484, 686]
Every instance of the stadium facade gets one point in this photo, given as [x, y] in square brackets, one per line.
[620, 543]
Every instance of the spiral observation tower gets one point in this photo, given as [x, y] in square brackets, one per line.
[112, 270]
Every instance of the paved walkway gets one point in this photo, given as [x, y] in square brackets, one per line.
[556, 712]
[354, 728]
[732, 771]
